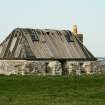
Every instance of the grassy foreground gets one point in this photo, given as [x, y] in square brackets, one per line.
[52, 90]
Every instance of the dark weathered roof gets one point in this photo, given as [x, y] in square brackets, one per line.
[43, 44]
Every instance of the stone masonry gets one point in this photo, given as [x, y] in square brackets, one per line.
[24, 67]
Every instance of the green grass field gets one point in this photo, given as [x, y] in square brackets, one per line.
[52, 90]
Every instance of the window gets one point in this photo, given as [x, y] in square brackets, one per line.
[34, 36]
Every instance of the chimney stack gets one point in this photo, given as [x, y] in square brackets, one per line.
[74, 29]
[75, 32]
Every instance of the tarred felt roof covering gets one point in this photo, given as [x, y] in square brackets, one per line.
[43, 44]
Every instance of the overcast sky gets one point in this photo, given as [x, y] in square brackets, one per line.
[89, 15]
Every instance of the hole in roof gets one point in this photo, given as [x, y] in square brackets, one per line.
[69, 37]
[48, 33]
[34, 36]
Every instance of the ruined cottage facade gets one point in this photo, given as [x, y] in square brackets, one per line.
[44, 51]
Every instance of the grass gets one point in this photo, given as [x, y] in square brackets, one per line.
[52, 90]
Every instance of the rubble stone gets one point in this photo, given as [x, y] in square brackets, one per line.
[24, 67]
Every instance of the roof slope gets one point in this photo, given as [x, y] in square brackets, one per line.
[43, 44]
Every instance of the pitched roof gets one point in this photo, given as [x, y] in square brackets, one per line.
[34, 44]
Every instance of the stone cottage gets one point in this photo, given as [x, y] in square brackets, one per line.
[43, 51]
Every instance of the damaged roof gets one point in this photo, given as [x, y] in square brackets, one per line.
[42, 44]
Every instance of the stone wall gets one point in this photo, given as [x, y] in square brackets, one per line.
[95, 67]
[24, 67]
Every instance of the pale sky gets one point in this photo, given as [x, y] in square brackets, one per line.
[88, 15]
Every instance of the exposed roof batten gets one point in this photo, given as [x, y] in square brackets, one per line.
[44, 44]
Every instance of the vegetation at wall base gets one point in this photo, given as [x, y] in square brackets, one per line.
[52, 90]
